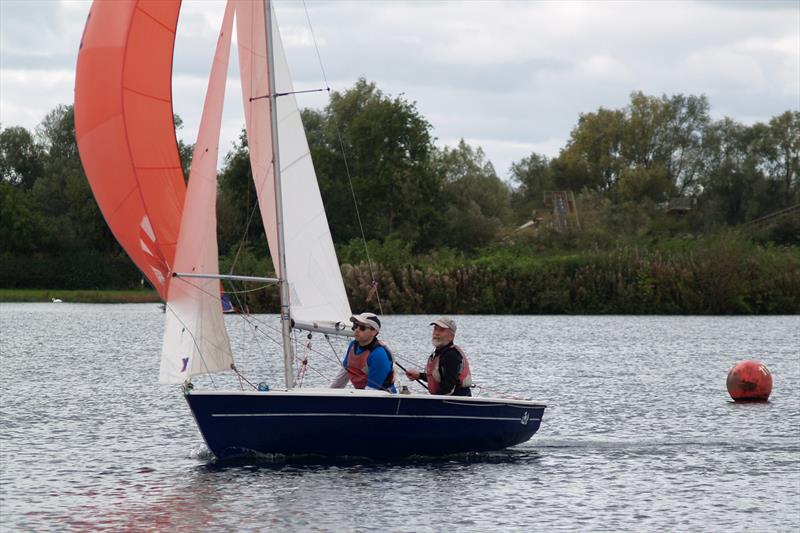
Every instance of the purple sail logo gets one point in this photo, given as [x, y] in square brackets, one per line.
[185, 363]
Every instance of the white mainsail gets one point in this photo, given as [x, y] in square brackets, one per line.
[195, 339]
[316, 290]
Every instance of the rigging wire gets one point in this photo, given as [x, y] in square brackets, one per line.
[241, 377]
[252, 318]
[254, 329]
[249, 319]
[246, 291]
[194, 341]
[346, 167]
[310, 349]
[254, 322]
[328, 338]
[243, 240]
[314, 38]
[303, 363]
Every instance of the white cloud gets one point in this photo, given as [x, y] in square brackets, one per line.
[603, 68]
[507, 152]
[19, 87]
[294, 36]
[719, 68]
[509, 76]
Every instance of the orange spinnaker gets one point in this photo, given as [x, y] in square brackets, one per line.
[125, 130]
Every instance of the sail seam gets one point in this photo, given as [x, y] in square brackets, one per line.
[119, 205]
[297, 160]
[140, 93]
[151, 17]
[124, 112]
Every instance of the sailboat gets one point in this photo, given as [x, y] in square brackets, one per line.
[126, 138]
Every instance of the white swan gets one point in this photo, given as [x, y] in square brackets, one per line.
[56, 300]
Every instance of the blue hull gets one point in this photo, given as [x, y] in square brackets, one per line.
[359, 424]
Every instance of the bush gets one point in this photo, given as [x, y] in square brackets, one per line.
[82, 269]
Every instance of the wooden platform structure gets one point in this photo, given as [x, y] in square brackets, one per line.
[565, 209]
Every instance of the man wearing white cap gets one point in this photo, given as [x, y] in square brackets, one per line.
[447, 371]
[368, 363]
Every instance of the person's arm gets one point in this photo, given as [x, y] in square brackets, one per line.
[341, 379]
[450, 364]
[379, 368]
[416, 374]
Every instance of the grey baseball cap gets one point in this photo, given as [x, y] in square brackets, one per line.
[444, 322]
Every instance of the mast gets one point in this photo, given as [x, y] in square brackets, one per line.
[286, 326]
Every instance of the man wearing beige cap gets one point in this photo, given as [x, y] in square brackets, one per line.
[368, 363]
[447, 371]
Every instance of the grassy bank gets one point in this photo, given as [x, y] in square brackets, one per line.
[626, 281]
[721, 276]
[724, 274]
[79, 296]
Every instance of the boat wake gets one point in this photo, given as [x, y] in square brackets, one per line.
[252, 458]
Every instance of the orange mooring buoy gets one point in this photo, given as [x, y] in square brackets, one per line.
[749, 381]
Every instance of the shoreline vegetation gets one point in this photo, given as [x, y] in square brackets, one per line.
[725, 275]
[651, 208]
[93, 296]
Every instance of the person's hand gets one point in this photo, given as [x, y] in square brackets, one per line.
[412, 374]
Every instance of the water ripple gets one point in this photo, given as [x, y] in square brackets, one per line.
[639, 434]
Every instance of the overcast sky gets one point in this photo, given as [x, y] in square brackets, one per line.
[511, 77]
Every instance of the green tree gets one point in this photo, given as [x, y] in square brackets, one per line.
[21, 159]
[592, 158]
[56, 133]
[476, 203]
[781, 149]
[651, 149]
[62, 194]
[665, 134]
[23, 230]
[532, 176]
[388, 147]
[732, 176]
[238, 215]
[638, 184]
[185, 151]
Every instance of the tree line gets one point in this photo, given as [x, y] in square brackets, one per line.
[429, 202]
[626, 163]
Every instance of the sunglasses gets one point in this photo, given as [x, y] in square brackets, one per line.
[361, 327]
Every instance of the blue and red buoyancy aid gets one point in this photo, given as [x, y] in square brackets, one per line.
[358, 364]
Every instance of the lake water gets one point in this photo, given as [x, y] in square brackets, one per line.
[639, 435]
